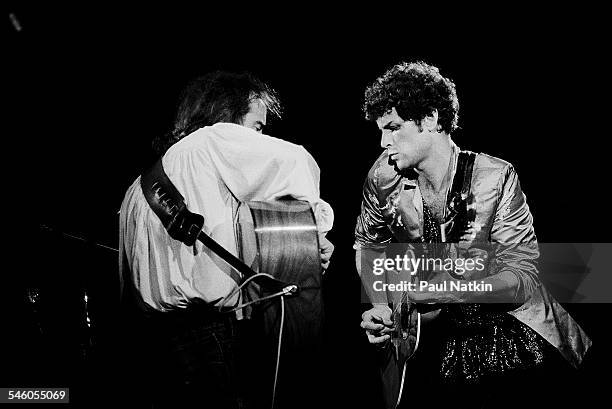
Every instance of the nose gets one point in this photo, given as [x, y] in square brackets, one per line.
[386, 139]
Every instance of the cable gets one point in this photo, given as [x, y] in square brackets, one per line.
[46, 228]
[237, 289]
[288, 290]
[416, 345]
[278, 352]
[285, 291]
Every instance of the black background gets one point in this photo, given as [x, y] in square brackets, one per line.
[89, 88]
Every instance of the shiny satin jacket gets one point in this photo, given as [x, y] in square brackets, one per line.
[506, 238]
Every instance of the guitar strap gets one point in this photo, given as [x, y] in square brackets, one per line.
[462, 182]
[169, 205]
[457, 198]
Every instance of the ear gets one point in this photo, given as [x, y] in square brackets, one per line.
[430, 122]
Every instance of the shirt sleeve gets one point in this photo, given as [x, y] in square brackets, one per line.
[259, 167]
[514, 236]
[371, 230]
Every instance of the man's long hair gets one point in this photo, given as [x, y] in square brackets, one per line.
[219, 96]
[414, 89]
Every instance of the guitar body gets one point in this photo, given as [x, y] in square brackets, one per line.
[281, 238]
[392, 371]
[401, 347]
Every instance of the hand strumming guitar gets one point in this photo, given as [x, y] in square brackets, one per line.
[377, 323]
[326, 248]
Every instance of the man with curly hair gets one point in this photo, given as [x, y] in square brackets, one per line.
[217, 158]
[505, 329]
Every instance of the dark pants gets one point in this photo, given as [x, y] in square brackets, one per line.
[203, 358]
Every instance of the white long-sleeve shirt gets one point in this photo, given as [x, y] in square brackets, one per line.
[214, 168]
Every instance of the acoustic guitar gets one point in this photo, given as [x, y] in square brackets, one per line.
[406, 315]
[280, 238]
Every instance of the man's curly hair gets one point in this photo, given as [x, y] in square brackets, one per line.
[414, 89]
[219, 96]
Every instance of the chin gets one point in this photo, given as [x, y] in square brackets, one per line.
[402, 166]
[405, 171]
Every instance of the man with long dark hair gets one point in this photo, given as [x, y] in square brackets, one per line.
[496, 334]
[217, 157]
[222, 97]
